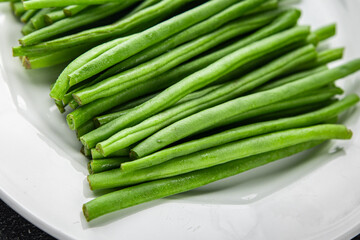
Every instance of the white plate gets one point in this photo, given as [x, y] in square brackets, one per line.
[42, 173]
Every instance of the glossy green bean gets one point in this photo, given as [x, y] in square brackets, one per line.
[106, 164]
[121, 153]
[74, 9]
[38, 20]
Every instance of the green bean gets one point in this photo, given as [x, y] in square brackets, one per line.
[159, 64]
[36, 4]
[53, 58]
[38, 20]
[213, 116]
[267, 6]
[293, 112]
[18, 9]
[60, 106]
[191, 33]
[291, 78]
[85, 128]
[88, 16]
[242, 132]
[27, 28]
[154, 35]
[218, 155]
[121, 153]
[325, 32]
[282, 109]
[86, 152]
[143, 5]
[88, 112]
[102, 120]
[325, 57]
[145, 192]
[28, 15]
[222, 94]
[102, 165]
[54, 16]
[72, 10]
[98, 35]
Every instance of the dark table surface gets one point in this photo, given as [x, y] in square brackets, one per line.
[13, 226]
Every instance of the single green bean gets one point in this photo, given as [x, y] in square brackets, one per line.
[85, 128]
[145, 192]
[218, 155]
[121, 153]
[102, 165]
[72, 10]
[28, 28]
[102, 120]
[154, 35]
[54, 16]
[88, 112]
[28, 15]
[213, 116]
[18, 9]
[324, 57]
[38, 20]
[325, 32]
[291, 78]
[143, 5]
[225, 92]
[53, 58]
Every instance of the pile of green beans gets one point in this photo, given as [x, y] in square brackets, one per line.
[170, 95]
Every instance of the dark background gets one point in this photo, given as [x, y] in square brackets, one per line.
[13, 226]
